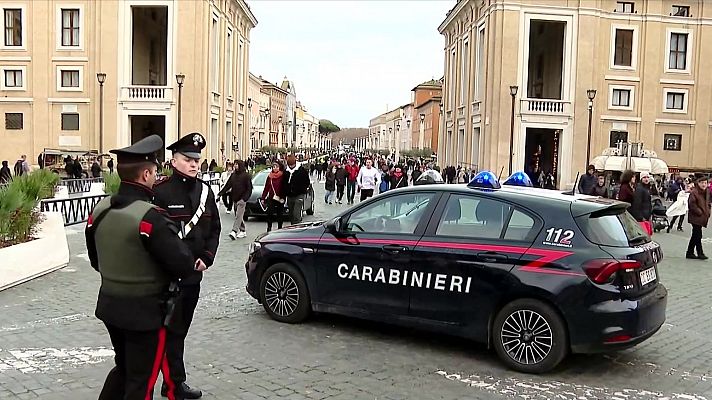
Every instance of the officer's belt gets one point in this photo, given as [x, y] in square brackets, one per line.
[198, 213]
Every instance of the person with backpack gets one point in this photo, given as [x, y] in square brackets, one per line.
[5, 174]
[341, 176]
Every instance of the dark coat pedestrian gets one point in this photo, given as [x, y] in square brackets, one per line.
[95, 170]
[330, 183]
[641, 209]
[110, 164]
[698, 214]
[625, 193]
[239, 186]
[204, 166]
[274, 195]
[5, 174]
[588, 180]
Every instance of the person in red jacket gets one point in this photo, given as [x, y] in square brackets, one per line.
[273, 195]
[352, 171]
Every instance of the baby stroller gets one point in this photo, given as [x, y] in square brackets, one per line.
[660, 219]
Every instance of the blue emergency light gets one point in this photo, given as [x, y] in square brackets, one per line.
[519, 178]
[484, 180]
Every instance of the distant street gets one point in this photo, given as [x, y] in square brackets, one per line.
[52, 346]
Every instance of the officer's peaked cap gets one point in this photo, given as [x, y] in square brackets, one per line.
[189, 145]
[141, 151]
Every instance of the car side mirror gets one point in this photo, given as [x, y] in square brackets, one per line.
[334, 226]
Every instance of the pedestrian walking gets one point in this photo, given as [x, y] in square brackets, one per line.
[367, 180]
[627, 186]
[19, 168]
[5, 174]
[330, 184]
[110, 165]
[133, 246]
[95, 169]
[642, 207]
[341, 177]
[588, 180]
[296, 186]
[225, 189]
[399, 178]
[352, 169]
[698, 215]
[600, 188]
[189, 202]
[240, 184]
[678, 209]
[273, 195]
[385, 180]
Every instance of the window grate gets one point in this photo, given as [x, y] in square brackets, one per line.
[13, 121]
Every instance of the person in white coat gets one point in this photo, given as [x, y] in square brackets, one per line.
[678, 209]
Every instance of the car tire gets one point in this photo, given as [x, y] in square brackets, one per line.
[535, 348]
[284, 294]
[310, 211]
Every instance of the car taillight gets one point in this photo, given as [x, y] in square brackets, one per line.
[602, 270]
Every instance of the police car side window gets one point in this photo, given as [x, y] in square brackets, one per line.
[519, 227]
[473, 217]
[393, 214]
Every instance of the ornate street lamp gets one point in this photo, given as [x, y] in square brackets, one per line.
[101, 78]
[591, 94]
[512, 92]
[180, 78]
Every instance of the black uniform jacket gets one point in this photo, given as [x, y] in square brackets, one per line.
[179, 195]
[142, 313]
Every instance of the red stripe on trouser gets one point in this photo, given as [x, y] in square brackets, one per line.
[167, 379]
[160, 356]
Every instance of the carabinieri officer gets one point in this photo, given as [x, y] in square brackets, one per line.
[135, 247]
[191, 204]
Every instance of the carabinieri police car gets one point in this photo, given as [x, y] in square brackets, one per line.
[534, 273]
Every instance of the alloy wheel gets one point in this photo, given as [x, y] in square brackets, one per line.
[281, 294]
[526, 337]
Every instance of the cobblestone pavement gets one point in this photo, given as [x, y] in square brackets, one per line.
[52, 347]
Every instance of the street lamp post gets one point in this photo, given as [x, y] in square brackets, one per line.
[591, 93]
[180, 78]
[279, 137]
[101, 78]
[421, 138]
[513, 92]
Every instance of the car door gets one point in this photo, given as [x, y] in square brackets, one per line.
[465, 255]
[362, 266]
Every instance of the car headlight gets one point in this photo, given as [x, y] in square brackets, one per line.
[254, 246]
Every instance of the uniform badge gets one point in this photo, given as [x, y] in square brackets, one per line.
[197, 139]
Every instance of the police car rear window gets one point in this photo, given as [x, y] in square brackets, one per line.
[617, 229]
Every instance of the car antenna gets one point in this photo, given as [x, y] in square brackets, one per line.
[573, 190]
[501, 171]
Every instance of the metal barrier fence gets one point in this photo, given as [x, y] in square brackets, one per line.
[79, 185]
[74, 210]
[213, 178]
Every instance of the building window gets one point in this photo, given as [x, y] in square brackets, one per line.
[678, 51]
[464, 78]
[623, 55]
[70, 27]
[13, 121]
[625, 7]
[675, 101]
[672, 142]
[680, 11]
[618, 137]
[215, 46]
[621, 98]
[70, 79]
[13, 78]
[13, 26]
[70, 121]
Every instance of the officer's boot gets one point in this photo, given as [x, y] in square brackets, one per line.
[183, 391]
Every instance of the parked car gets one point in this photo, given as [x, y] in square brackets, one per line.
[255, 206]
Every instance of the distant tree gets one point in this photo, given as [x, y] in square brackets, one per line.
[326, 126]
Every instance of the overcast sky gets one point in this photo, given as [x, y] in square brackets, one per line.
[349, 60]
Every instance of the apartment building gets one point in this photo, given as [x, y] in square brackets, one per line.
[258, 105]
[523, 75]
[63, 63]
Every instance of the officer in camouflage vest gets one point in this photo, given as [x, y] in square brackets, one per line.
[136, 249]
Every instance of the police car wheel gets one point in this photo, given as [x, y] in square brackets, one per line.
[284, 294]
[529, 336]
[311, 210]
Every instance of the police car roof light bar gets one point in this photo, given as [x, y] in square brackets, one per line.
[519, 178]
[484, 180]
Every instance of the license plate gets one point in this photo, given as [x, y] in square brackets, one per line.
[647, 276]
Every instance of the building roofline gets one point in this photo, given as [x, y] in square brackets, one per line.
[246, 9]
[452, 14]
[430, 100]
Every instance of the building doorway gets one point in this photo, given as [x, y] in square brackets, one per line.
[541, 154]
[143, 126]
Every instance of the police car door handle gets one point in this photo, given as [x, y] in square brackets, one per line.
[491, 256]
[394, 248]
